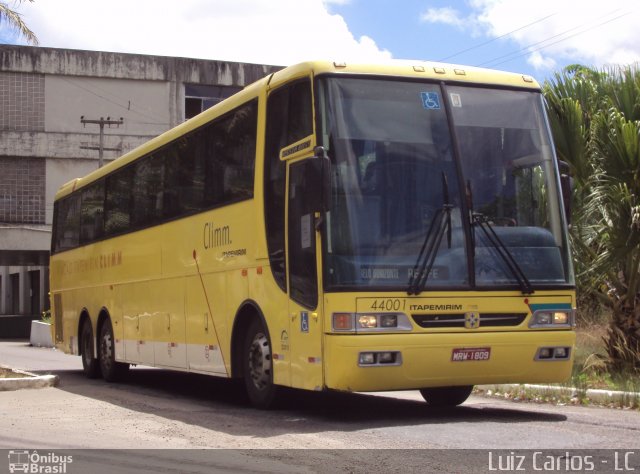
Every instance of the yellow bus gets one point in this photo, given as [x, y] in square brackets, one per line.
[332, 226]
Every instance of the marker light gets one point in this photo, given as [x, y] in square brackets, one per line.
[553, 353]
[343, 322]
[367, 358]
[561, 353]
[377, 359]
[386, 357]
[545, 353]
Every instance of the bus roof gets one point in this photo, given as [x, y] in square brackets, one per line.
[392, 68]
[408, 68]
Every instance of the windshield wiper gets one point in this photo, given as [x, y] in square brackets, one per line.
[440, 223]
[501, 249]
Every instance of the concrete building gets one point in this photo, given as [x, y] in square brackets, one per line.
[52, 105]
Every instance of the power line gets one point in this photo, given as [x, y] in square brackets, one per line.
[527, 49]
[497, 38]
[111, 101]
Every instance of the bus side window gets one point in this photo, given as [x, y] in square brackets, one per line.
[118, 201]
[68, 223]
[147, 191]
[92, 212]
[228, 150]
[235, 150]
[289, 119]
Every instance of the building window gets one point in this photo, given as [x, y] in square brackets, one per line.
[21, 102]
[200, 97]
[22, 190]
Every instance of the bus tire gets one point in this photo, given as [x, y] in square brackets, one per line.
[257, 365]
[446, 396]
[90, 365]
[112, 371]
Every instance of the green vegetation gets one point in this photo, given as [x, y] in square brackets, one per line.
[595, 119]
[590, 371]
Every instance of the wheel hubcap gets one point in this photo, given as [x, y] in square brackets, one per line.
[260, 361]
[106, 351]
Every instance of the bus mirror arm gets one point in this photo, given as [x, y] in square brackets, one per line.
[321, 170]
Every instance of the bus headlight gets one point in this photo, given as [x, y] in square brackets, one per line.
[370, 322]
[388, 320]
[367, 321]
[552, 319]
[382, 322]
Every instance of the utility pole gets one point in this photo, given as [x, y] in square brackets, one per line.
[101, 148]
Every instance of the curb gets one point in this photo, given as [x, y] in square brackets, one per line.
[31, 381]
[596, 395]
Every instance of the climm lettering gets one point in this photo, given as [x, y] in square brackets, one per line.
[435, 307]
[216, 236]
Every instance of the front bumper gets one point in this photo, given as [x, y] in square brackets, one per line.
[427, 360]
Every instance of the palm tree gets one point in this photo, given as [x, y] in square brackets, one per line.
[594, 116]
[14, 19]
[616, 196]
[571, 98]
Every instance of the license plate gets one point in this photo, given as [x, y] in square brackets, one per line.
[470, 354]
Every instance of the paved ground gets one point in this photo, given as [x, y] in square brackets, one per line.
[167, 410]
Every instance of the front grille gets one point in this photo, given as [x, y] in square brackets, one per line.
[431, 321]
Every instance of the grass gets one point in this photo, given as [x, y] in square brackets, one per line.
[590, 371]
[10, 374]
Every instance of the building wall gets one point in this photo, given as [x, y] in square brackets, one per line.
[144, 105]
[21, 101]
[44, 92]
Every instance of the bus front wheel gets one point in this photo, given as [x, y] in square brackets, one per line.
[90, 364]
[112, 371]
[258, 366]
[446, 396]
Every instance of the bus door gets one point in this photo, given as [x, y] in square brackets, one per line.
[305, 335]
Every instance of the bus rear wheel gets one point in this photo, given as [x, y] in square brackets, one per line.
[112, 371]
[446, 396]
[90, 365]
[258, 366]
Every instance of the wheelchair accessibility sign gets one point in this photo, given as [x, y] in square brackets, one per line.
[430, 100]
[304, 321]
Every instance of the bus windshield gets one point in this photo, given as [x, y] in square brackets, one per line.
[458, 182]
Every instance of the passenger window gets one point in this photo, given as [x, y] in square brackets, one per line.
[231, 147]
[68, 223]
[147, 191]
[92, 219]
[118, 201]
